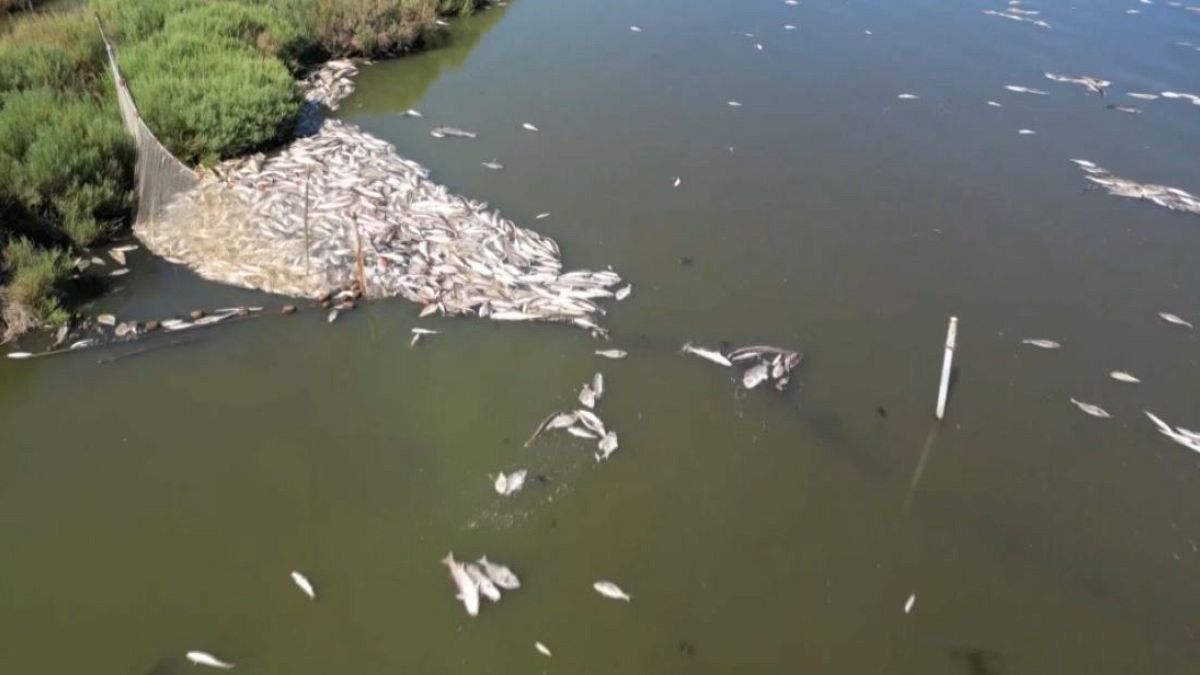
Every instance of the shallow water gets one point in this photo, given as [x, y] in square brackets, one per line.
[156, 504]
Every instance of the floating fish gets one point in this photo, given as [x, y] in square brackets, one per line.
[908, 97]
[1144, 97]
[1122, 376]
[908, 604]
[1185, 437]
[501, 575]
[758, 46]
[610, 590]
[1175, 319]
[995, 104]
[493, 165]
[1093, 410]
[82, 343]
[755, 376]
[106, 320]
[332, 316]
[1041, 343]
[529, 127]
[587, 396]
[541, 216]
[556, 420]
[591, 421]
[706, 354]
[118, 256]
[1092, 84]
[512, 483]
[677, 182]
[612, 353]
[412, 113]
[542, 649]
[735, 104]
[598, 385]
[468, 590]
[623, 292]
[443, 132]
[581, 433]
[635, 29]
[1025, 90]
[501, 483]
[19, 355]
[1125, 109]
[607, 445]
[98, 261]
[1026, 132]
[486, 587]
[119, 273]
[304, 584]
[205, 659]
[126, 248]
[789, 27]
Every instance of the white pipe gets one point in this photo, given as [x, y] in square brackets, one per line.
[951, 338]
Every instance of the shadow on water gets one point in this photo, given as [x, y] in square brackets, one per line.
[447, 50]
[977, 661]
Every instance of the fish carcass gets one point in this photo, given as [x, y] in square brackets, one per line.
[468, 590]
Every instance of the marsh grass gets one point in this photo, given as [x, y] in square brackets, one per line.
[36, 277]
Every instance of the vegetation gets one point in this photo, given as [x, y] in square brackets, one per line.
[33, 292]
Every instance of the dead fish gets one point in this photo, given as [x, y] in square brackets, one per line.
[106, 320]
[82, 343]
[1175, 319]
[510, 484]
[486, 587]
[412, 113]
[556, 420]
[1144, 97]
[706, 354]
[581, 433]
[755, 376]
[501, 575]
[126, 248]
[96, 260]
[468, 590]
[1093, 410]
[118, 256]
[205, 659]
[1124, 108]
[1025, 90]
[542, 649]
[1122, 376]
[676, 182]
[995, 104]
[501, 483]
[420, 333]
[119, 273]
[623, 292]
[908, 604]
[304, 584]
[529, 127]
[612, 353]
[443, 132]
[607, 446]
[1185, 437]
[1026, 132]
[587, 396]
[908, 97]
[789, 27]
[493, 165]
[332, 316]
[431, 308]
[591, 421]
[610, 590]
[635, 29]
[1041, 343]
[19, 355]
[541, 216]
[734, 104]
[598, 385]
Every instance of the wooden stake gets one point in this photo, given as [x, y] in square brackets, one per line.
[947, 360]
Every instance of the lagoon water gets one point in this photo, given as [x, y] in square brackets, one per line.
[156, 504]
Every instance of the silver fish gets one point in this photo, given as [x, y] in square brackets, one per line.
[623, 292]
[486, 587]
[332, 316]
[598, 385]
[1041, 343]
[607, 446]
[706, 354]
[412, 113]
[581, 432]
[541, 216]
[1175, 319]
[304, 584]
[542, 649]
[610, 590]
[1093, 410]
[1185, 437]
[118, 256]
[908, 97]
[19, 355]
[591, 421]
[493, 165]
[442, 132]
[612, 353]
[468, 590]
[200, 658]
[501, 575]
[119, 273]
[587, 396]
[1122, 376]
[106, 320]
[528, 127]
[501, 483]
[1025, 90]
[755, 376]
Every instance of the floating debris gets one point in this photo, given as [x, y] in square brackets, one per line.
[304, 584]
[1185, 437]
[1092, 84]
[612, 353]
[1041, 343]
[542, 649]
[200, 658]
[1169, 197]
[1025, 90]
[1122, 376]
[1175, 319]
[610, 590]
[1090, 409]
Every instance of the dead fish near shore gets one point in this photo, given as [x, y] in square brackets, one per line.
[304, 585]
[1122, 376]
[1041, 343]
[1025, 90]
[1091, 409]
[119, 273]
[419, 333]
[1185, 437]
[118, 256]
[611, 353]
[710, 355]
[1094, 85]
[1175, 319]
[451, 132]
[493, 165]
[610, 590]
[412, 113]
[468, 590]
[106, 320]
[19, 355]
[200, 658]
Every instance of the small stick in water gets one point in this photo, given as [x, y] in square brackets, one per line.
[947, 360]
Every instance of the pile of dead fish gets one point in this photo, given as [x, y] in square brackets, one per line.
[1169, 197]
[1094, 85]
[341, 206]
[766, 363]
[329, 84]
[483, 577]
[583, 422]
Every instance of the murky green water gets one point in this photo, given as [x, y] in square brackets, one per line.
[156, 504]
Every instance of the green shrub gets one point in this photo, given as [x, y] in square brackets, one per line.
[209, 98]
[35, 278]
[62, 50]
[370, 27]
[128, 21]
[271, 29]
[65, 158]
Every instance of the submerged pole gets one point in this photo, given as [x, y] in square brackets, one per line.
[947, 360]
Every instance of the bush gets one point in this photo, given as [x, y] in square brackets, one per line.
[65, 158]
[129, 21]
[35, 278]
[209, 98]
[370, 27]
[272, 30]
[60, 50]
